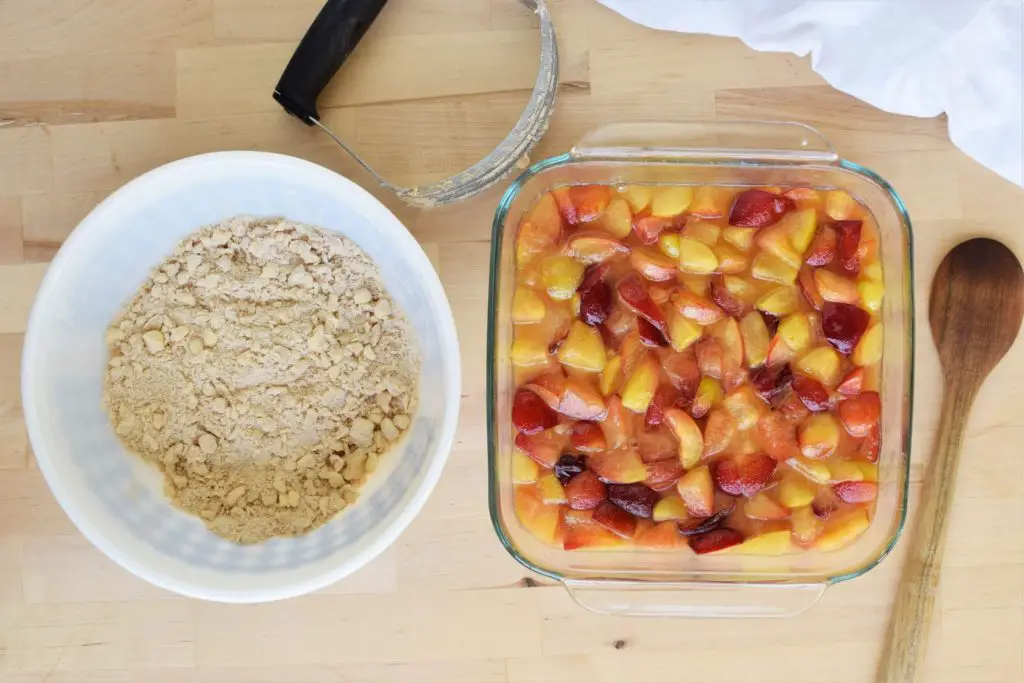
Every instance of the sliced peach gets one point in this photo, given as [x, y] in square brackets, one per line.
[653, 265]
[764, 507]
[711, 201]
[696, 257]
[869, 350]
[777, 436]
[668, 243]
[872, 270]
[819, 435]
[617, 219]
[671, 201]
[590, 200]
[718, 432]
[768, 543]
[581, 401]
[709, 394]
[611, 376]
[843, 529]
[669, 507]
[640, 386]
[682, 332]
[771, 268]
[871, 293]
[561, 275]
[530, 242]
[810, 288]
[795, 491]
[527, 306]
[804, 197]
[815, 470]
[727, 332]
[587, 437]
[852, 383]
[663, 536]
[698, 284]
[551, 491]
[663, 474]
[594, 247]
[740, 288]
[704, 232]
[697, 308]
[549, 386]
[869, 470]
[683, 372]
[618, 467]
[565, 205]
[845, 470]
[806, 525]
[639, 196]
[528, 350]
[835, 288]
[691, 441]
[539, 519]
[795, 330]
[821, 363]
[649, 228]
[697, 491]
[525, 470]
[730, 259]
[860, 414]
[583, 348]
[775, 239]
[744, 406]
[741, 238]
[710, 357]
[617, 425]
[755, 339]
[802, 225]
[823, 249]
[780, 301]
[545, 217]
[779, 351]
[839, 205]
[590, 537]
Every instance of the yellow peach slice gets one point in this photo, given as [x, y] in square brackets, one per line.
[795, 330]
[709, 393]
[845, 470]
[741, 238]
[639, 196]
[801, 225]
[780, 301]
[641, 385]
[744, 406]
[843, 529]
[682, 332]
[821, 363]
[702, 231]
[819, 435]
[696, 257]
[740, 288]
[669, 507]
[561, 275]
[770, 268]
[551, 491]
[668, 243]
[795, 492]
[617, 219]
[528, 351]
[711, 201]
[611, 376]
[730, 259]
[835, 288]
[527, 306]
[815, 470]
[839, 206]
[869, 349]
[583, 348]
[755, 339]
[806, 525]
[770, 543]
[691, 441]
[525, 469]
[871, 293]
[671, 201]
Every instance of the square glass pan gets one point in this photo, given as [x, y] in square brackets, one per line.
[634, 581]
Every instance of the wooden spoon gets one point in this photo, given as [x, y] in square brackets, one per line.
[976, 306]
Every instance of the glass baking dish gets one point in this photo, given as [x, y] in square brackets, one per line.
[678, 583]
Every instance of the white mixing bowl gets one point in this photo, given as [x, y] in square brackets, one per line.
[111, 495]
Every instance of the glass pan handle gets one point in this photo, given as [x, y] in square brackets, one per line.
[775, 141]
[646, 599]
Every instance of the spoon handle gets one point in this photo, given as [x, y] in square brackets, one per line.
[911, 620]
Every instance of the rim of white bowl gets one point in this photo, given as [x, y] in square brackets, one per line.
[436, 462]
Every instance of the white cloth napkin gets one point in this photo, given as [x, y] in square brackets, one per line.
[914, 57]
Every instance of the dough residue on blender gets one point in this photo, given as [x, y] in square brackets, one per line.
[264, 369]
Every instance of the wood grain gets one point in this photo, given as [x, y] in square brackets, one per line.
[975, 311]
[102, 90]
